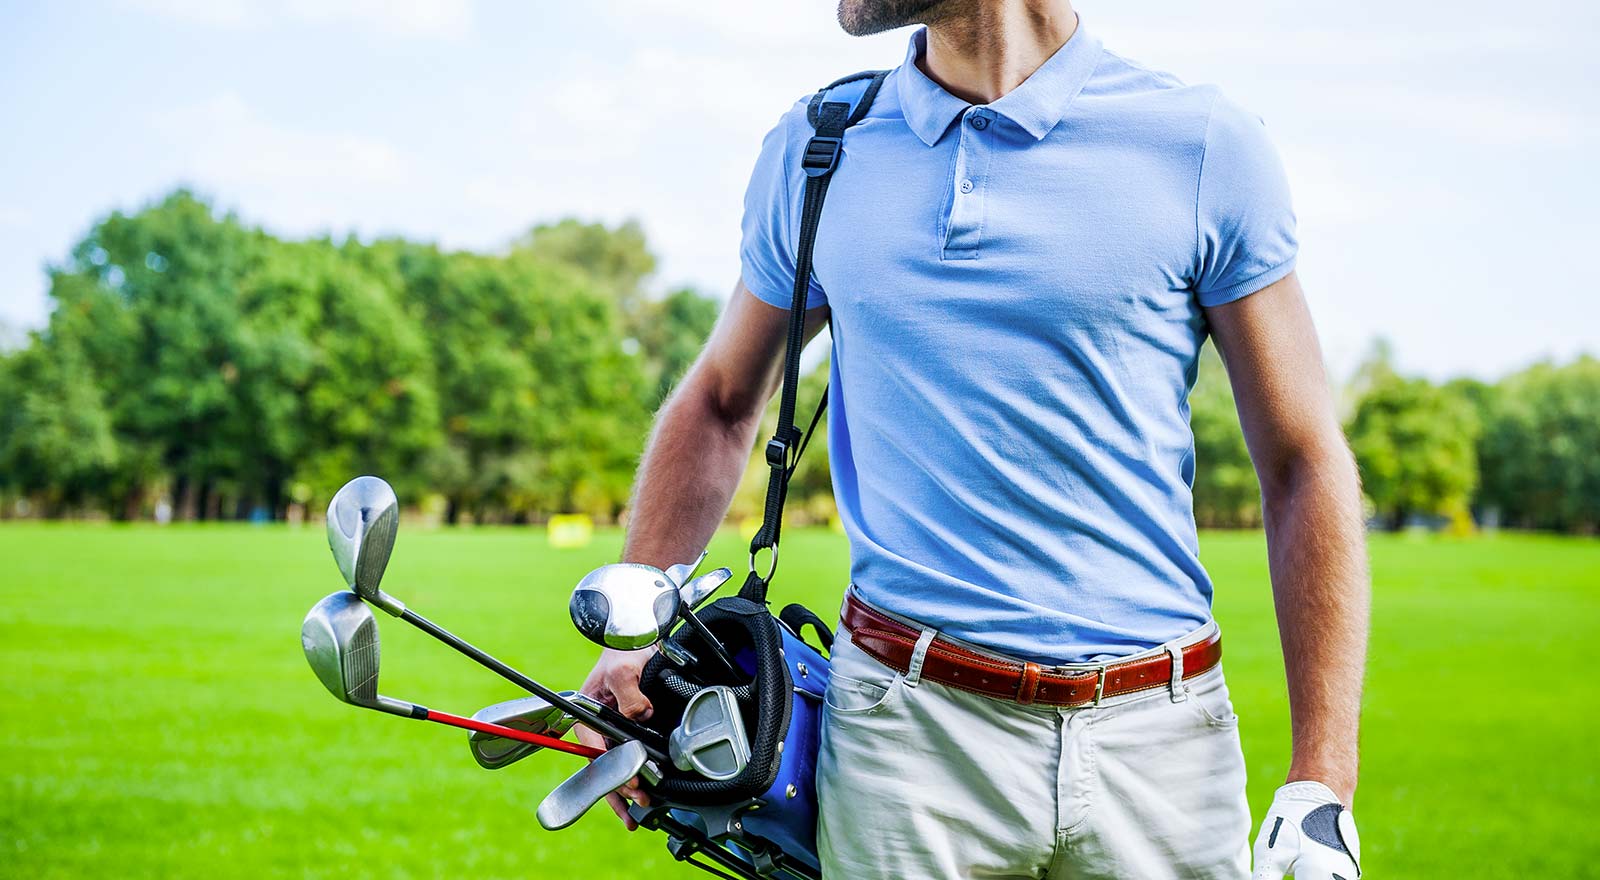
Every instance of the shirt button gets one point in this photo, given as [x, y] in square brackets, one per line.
[980, 122]
[966, 186]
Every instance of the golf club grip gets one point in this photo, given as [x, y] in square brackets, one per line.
[548, 742]
[608, 721]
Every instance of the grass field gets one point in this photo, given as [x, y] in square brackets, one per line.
[160, 721]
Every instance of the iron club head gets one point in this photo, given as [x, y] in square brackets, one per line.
[571, 799]
[625, 605]
[362, 520]
[696, 592]
[683, 571]
[340, 640]
[529, 714]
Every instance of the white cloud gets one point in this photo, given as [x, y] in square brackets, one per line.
[226, 140]
[402, 18]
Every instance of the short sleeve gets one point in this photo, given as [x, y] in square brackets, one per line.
[1245, 220]
[771, 222]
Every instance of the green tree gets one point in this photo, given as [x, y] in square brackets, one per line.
[1226, 494]
[616, 260]
[670, 333]
[541, 408]
[150, 299]
[1415, 445]
[1540, 448]
[56, 441]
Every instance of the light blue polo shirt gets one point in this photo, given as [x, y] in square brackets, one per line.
[1016, 292]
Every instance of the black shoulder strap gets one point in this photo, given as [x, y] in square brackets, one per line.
[829, 120]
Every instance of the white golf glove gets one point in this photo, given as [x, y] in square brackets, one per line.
[1308, 835]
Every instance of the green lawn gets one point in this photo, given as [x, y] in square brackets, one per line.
[159, 720]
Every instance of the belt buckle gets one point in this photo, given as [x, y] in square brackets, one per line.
[1099, 685]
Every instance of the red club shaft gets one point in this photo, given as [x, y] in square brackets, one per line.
[537, 739]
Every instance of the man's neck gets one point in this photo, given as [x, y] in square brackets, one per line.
[983, 52]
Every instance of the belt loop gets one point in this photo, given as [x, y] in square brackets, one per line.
[1179, 691]
[919, 654]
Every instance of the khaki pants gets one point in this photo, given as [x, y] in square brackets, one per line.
[916, 779]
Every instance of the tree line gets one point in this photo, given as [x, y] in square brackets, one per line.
[195, 364]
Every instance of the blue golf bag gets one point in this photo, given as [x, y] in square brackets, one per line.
[763, 822]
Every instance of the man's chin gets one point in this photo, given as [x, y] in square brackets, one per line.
[861, 18]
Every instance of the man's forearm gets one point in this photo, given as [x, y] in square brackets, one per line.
[1316, 542]
[691, 467]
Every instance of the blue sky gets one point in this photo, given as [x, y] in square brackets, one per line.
[1443, 155]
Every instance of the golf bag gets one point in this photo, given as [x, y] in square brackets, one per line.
[767, 814]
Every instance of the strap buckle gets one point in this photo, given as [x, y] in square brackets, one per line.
[779, 449]
[777, 453]
[821, 154]
[1099, 685]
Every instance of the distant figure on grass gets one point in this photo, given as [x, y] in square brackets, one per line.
[1023, 249]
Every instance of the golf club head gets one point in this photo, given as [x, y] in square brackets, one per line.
[531, 714]
[681, 572]
[582, 790]
[625, 605]
[711, 740]
[340, 640]
[680, 656]
[696, 592]
[362, 520]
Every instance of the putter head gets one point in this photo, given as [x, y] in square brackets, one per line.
[531, 714]
[681, 572]
[625, 605]
[582, 790]
[362, 520]
[340, 640]
[711, 740]
[696, 592]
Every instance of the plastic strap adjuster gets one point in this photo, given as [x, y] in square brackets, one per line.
[777, 453]
[822, 153]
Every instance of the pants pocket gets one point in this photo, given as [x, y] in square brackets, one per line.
[858, 684]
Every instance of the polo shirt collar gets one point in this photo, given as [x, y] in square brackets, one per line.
[1036, 106]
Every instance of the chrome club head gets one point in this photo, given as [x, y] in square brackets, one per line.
[605, 774]
[681, 572]
[362, 520]
[696, 592]
[530, 714]
[625, 605]
[711, 740]
[340, 640]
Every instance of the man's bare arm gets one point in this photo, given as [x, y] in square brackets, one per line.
[703, 434]
[1311, 501]
[691, 467]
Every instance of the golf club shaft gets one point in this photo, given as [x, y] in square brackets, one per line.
[713, 641]
[609, 722]
[548, 742]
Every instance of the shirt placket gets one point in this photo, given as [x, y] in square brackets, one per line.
[964, 226]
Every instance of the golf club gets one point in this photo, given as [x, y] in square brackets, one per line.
[683, 571]
[340, 640]
[628, 606]
[711, 740]
[571, 799]
[527, 714]
[363, 518]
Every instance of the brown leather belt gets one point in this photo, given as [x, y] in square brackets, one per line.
[892, 643]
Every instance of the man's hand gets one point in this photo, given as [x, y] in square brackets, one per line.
[1309, 835]
[615, 682]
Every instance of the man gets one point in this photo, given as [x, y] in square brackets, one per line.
[1024, 247]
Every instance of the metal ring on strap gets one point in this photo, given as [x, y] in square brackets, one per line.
[771, 569]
